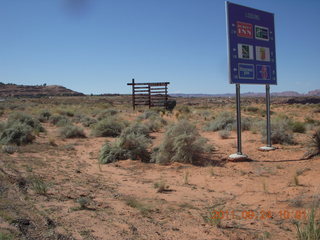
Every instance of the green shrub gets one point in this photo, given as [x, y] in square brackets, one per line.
[72, 131]
[137, 128]
[312, 121]
[224, 120]
[23, 118]
[280, 132]
[298, 127]
[155, 124]
[111, 152]
[171, 105]
[135, 146]
[147, 114]
[181, 143]
[128, 145]
[252, 109]
[88, 121]
[183, 109]
[110, 127]
[59, 120]
[246, 124]
[106, 113]
[17, 133]
[66, 112]
[44, 116]
[84, 120]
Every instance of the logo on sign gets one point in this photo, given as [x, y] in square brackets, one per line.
[261, 33]
[263, 72]
[244, 30]
[245, 71]
[262, 54]
[245, 51]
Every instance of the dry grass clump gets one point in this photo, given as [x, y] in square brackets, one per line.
[109, 127]
[311, 230]
[224, 120]
[133, 143]
[181, 143]
[72, 131]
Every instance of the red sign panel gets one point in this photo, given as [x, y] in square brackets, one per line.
[244, 30]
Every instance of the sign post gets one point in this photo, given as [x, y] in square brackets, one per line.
[252, 56]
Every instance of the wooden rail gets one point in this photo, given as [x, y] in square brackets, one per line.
[153, 94]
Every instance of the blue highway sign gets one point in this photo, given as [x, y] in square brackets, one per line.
[251, 45]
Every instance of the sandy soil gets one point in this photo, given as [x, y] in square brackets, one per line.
[259, 199]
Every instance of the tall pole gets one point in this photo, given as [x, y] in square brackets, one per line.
[268, 115]
[239, 147]
[239, 156]
[268, 147]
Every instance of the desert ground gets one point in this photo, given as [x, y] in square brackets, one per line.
[58, 186]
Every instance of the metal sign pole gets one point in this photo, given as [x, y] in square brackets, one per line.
[239, 147]
[268, 115]
[268, 125]
[238, 156]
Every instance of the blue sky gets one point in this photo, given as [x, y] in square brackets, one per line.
[97, 46]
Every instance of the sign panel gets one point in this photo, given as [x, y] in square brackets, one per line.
[251, 45]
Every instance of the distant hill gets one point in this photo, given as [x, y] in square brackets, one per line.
[314, 93]
[13, 90]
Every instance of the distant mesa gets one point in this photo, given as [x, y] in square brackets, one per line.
[314, 93]
[14, 90]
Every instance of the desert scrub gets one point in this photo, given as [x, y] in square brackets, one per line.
[154, 124]
[298, 127]
[224, 120]
[109, 127]
[84, 120]
[17, 133]
[313, 145]
[148, 114]
[136, 128]
[106, 114]
[252, 109]
[59, 120]
[131, 144]
[181, 143]
[280, 131]
[23, 118]
[88, 121]
[72, 131]
[44, 116]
